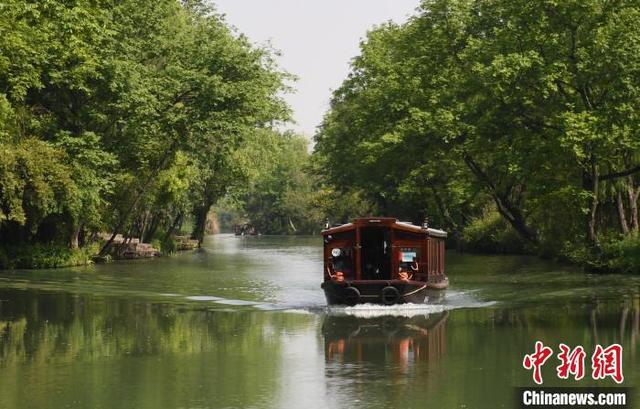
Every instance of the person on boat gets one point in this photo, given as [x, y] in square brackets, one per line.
[407, 268]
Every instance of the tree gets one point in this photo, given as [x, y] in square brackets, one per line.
[121, 94]
[531, 106]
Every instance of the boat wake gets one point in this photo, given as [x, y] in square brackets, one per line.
[398, 310]
[437, 303]
[451, 300]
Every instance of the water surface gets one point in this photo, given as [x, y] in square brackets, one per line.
[243, 323]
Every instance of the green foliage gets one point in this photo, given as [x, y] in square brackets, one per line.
[527, 107]
[279, 199]
[490, 233]
[342, 207]
[623, 255]
[617, 255]
[123, 116]
[35, 183]
[168, 246]
[44, 256]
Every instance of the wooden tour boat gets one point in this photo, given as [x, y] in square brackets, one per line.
[383, 261]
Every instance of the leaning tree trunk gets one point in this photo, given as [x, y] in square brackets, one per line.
[152, 227]
[200, 224]
[176, 222]
[514, 215]
[506, 207]
[138, 195]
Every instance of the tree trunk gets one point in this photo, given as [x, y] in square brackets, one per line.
[176, 222]
[515, 217]
[633, 194]
[200, 214]
[152, 228]
[591, 183]
[74, 239]
[506, 207]
[137, 196]
[144, 222]
[122, 221]
[622, 217]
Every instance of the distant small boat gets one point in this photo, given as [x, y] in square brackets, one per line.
[245, 230]
[381, 260]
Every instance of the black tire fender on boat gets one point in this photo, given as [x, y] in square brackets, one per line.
[351, 296]
[390, 295]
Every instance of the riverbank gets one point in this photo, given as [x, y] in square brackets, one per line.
[41, 256]
[36, 256]
[613, 257]
[492, 235]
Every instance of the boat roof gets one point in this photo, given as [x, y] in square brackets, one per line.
[384, 221]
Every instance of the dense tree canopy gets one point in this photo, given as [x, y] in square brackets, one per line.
[513, 124]
[528, 109]
[123, 116]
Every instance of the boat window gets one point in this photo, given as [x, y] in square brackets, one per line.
[342, 260]
[408, 258]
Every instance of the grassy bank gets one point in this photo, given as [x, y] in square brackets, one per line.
[491, 234]
[33, 256]
[615, 255]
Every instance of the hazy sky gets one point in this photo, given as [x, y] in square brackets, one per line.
[317, 39]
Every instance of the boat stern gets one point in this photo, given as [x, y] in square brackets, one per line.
[386, 292]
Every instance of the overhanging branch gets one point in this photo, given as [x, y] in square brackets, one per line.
[624, 173]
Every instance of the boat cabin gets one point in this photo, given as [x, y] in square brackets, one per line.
[374, 249]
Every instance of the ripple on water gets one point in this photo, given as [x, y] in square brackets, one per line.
[455, 299]
[235, 302]
[203, 298]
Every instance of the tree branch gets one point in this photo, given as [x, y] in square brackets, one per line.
[616, 175]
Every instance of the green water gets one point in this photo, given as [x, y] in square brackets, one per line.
[243, 324]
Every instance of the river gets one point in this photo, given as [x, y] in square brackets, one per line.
[242, 323]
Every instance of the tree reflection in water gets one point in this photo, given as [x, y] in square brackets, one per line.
[59, 347]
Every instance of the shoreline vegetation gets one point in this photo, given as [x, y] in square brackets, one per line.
[513, 125]
[131, 117]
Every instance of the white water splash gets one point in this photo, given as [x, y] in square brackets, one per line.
[398, 310]
[451, 300]
[454, 300]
